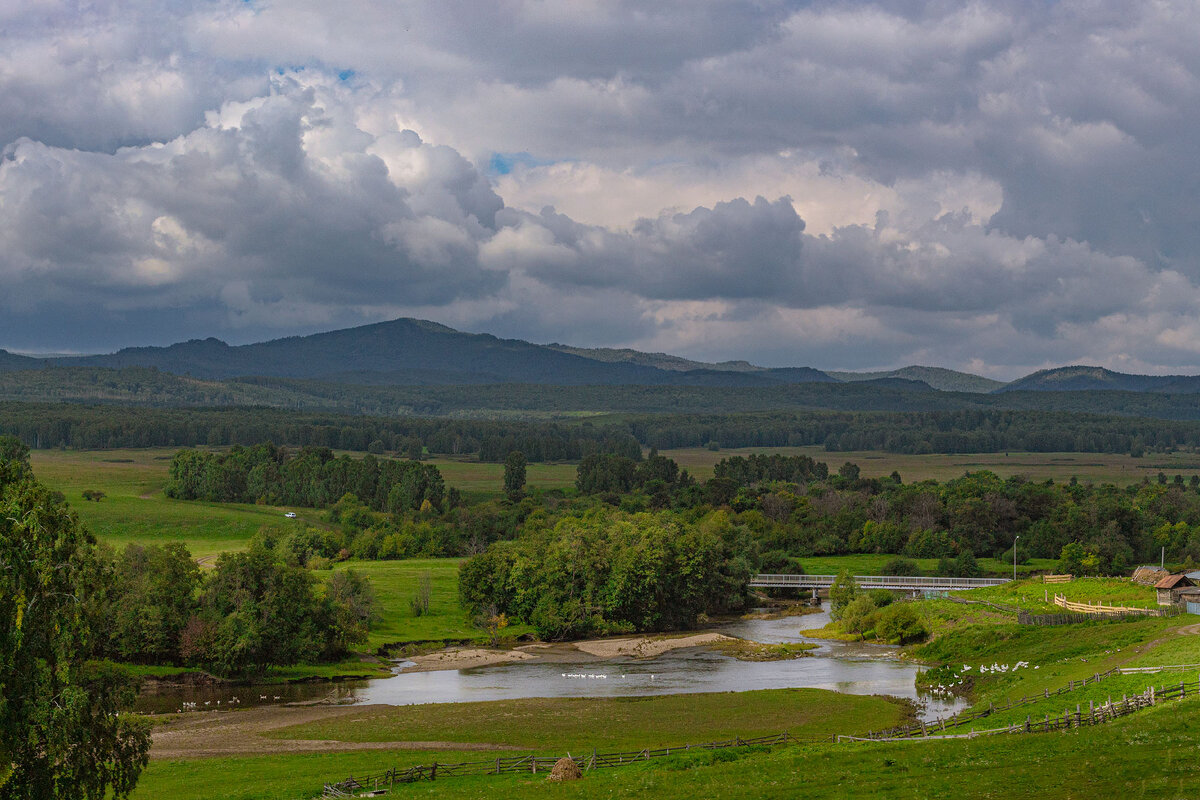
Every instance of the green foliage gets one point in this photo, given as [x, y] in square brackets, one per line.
[901, 623]
[610, 572]
[257, 611]
[514, 475]
[63, 728]
[313, 478]
[842, 593]
[901, 567]
[858, 616]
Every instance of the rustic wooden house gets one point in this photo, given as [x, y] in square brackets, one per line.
[1169, 587]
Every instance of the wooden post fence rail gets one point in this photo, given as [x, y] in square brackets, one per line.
[923, 731]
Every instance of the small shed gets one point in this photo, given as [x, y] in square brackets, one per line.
[1190, 599]
[1169, 587]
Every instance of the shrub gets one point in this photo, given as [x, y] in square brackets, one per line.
[901, 623]
[901, 567]
[859, 615]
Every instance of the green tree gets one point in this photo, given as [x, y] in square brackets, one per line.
[64, 732]
[965, 566]
[1070, 560]
[842, 593]
[514, 475]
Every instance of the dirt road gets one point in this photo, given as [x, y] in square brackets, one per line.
[215, 734]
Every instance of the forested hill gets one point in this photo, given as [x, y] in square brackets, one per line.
[413, 352]
[12, 361]
[945, 380]
[1082, 379]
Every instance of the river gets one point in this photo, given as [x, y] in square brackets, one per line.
[853, 668]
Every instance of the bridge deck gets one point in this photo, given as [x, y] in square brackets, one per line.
[874, 582]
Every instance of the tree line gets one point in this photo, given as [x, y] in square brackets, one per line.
[915, 432]
[314, 477]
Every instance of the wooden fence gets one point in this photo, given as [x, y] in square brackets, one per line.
[533, 764]
[928, 731]
[1025, 618]
[1100, 608]
[1095, 715]
[1057, 578]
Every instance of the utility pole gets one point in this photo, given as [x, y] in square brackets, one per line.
[1015, 538]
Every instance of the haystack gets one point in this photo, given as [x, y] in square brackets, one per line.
[565, 769]
[1149, 575]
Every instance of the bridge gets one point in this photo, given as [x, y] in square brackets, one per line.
[897, 582]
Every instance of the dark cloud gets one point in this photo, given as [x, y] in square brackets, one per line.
[992, 178]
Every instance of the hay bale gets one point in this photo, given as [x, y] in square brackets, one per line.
[1149, 575]
[565, 769]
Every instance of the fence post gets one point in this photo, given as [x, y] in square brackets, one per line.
[433, 772]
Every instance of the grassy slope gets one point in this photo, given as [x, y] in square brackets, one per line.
[1033, 595]
[872, 564]
[135, 509]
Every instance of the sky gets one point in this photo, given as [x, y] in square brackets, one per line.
[990, 186]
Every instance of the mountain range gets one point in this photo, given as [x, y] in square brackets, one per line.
[411, 352]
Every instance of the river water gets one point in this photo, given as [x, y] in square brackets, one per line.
[853, 668]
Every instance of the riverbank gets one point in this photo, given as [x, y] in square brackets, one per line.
[636, 647]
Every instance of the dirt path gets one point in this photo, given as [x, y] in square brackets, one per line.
[216, 734]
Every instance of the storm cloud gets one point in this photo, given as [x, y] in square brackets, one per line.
[995, 186]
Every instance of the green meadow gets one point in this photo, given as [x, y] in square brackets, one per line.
[1147, 755]
[395, 583]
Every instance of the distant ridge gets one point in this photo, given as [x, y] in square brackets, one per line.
[660, 360]
[11, 361]
[944, 380]
[1080, 378]
[415, 352]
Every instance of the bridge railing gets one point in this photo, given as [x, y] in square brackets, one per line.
[886, 581]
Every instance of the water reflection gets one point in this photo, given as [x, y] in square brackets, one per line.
[853, 668]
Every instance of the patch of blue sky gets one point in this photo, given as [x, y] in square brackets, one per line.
[504, 163]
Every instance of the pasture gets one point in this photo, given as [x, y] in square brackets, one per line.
[1120, 469]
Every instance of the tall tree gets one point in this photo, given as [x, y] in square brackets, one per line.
[63, 733]
[514, 475]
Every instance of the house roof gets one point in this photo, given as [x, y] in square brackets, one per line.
[1191, 591]
[1173, 581]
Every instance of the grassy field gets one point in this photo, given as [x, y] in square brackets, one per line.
[1038, 597]
[1147, 755]
[135, 509]
[872, 564]
[545, 725]
[396, 582]
[620, 723]
[1096, 467]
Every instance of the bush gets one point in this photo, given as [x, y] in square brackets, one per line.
[881, 597]
[901, 567]
[859, 615]
[901, 623]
